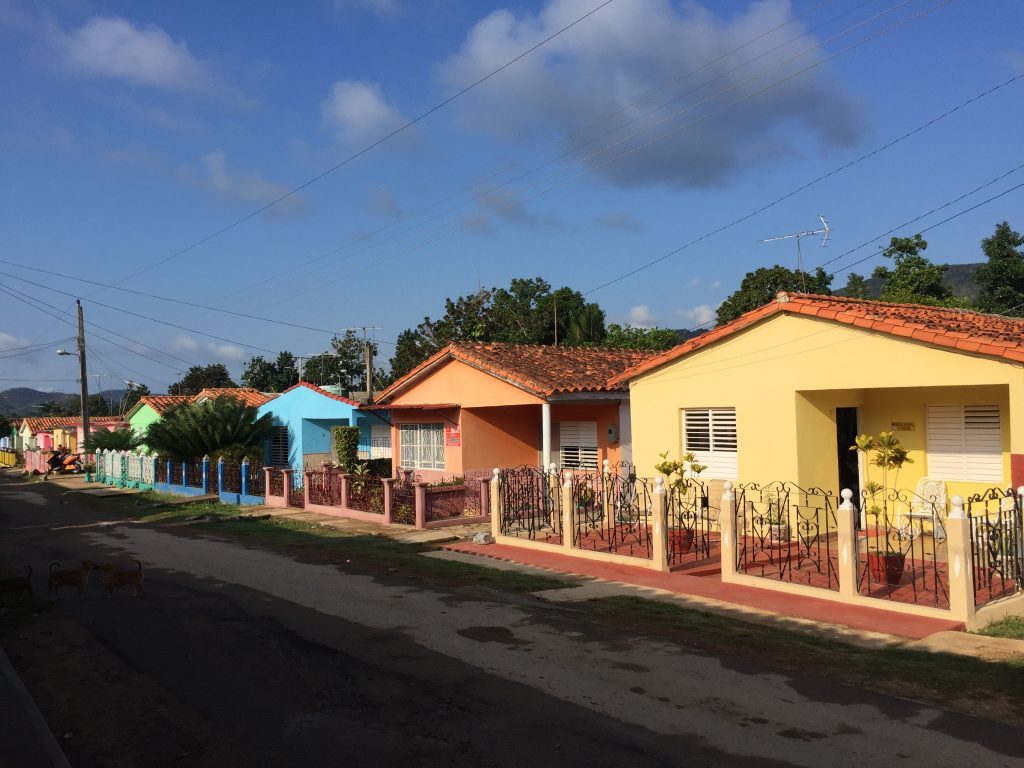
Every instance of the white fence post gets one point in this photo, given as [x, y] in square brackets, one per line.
[846, 522]
[659, 525]
[495, 504]
[960, 563]
[727, 526]
[568, 513]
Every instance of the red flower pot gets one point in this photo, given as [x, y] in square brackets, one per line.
[886, 566]
[680, 540]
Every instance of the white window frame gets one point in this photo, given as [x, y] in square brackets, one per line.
[964, 443]
[577, 445]
[421, 446]
[711, 434]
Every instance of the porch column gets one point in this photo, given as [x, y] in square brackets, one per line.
[545, 434]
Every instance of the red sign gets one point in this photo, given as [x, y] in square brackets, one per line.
[452, 437]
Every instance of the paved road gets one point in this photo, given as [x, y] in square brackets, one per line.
[240, 656]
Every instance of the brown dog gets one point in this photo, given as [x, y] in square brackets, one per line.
[78, 577]
[113, 578]
[15, 584]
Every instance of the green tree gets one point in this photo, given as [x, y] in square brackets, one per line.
[856, 287]
[271, 376]
[523, 313]
[112, 440]
[913, 279]
[200, 377]
[132, 395]
[345, 362]
[760, 286]
[630, 337]
[1001, 277]
[99, 405]
[59, 407]
[210, 428]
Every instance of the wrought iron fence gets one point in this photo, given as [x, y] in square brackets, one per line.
[231, 476]
[997, 544]
[194, 474]
[296, 491]
[901, 552]
[787, 533]
[255, 478]
[403, 504]
[366, 494]
[611, 513]
[450, 501]
[530, 504]
[161, 469]
[692, 524]
[276, 483]
[324, 487]
[134, 467]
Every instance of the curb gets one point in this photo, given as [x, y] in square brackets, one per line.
[42, 731]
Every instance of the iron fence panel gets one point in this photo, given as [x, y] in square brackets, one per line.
[997, 544]
[530, 504]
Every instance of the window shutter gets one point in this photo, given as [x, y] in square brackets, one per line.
[578, 444]
[279, 447]
[964, 442]
[710, 434]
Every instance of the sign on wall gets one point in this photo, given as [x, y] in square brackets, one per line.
[902, 426]
[452, 437]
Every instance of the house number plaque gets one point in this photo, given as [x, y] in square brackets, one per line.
[903, 426]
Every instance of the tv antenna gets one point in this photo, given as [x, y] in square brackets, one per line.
[824, 232]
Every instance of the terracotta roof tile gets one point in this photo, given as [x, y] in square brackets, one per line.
[246, 395]
[160, 403]
[318, 390]
[45, 423]
[957, 329]
[540, 370]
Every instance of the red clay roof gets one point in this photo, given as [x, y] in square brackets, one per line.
[319, 391]
[44, 423]
[540, 370]
[160, 403]
[961, 330]
[246, 395]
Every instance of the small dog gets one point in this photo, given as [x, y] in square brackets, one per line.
[15, 584]
[78, 577]
[113, 578]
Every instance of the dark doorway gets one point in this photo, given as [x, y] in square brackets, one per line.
[846, 435]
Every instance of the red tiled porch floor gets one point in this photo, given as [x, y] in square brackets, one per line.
[782, 603]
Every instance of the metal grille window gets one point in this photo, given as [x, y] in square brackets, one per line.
[279, 447]
[710, 433]
[422, 446]
[578, 444]
[965, 443]
[380, 441]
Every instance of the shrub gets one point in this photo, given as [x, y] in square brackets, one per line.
[346, 446]
[209, 428]
[380, 468]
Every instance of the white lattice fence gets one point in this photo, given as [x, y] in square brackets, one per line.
[134, 467]
[147, 470]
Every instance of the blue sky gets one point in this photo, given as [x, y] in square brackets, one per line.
[131, 131]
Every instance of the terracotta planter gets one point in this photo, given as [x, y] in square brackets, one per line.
[680, 540]
[886, 566]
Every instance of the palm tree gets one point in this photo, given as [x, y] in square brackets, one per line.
[586, 327]
[210, 428]
[114, 440]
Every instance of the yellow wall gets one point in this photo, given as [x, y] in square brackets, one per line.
[67, 437]
[785, 377]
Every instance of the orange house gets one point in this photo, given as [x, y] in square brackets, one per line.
[472, 407]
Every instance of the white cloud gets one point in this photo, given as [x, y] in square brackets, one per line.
[357, 113]
[642, 317]
[627, 50]
[9, 341]
[700, 315]
[385, 9]
[715, 285]
[144, 55]
[380, 202]
[183, 343]
[227, 353]
[620, 220]
[217, 178]
[208, 351]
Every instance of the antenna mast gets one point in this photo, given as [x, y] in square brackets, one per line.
[824, 232]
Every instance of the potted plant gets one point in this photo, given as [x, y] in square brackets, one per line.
[888, 454]
[775, 517]
[681, 475]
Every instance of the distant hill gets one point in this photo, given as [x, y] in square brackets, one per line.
[959, 278]
[22, 401]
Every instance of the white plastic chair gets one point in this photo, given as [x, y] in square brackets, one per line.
[928, 504]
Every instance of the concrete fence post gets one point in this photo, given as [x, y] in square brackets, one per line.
[730, 536]
[306, 476]
[552, 478]
[266, 482]
[286, 483]
[846, 540]
[184, 474]
[960, 563]
[496, 511]
[154, 459]
[170, 463]
[568, 522]
[659, 525]
[344, 481]
[206, 475]
[388, 484]
[220, 474]
[485, 497]
[420, 490]
[245, 477]
[607, 506]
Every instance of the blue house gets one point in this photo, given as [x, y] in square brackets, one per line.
[303, 417]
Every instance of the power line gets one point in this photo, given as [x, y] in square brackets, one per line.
[369, 147]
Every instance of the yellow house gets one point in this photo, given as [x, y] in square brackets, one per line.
[780, 393]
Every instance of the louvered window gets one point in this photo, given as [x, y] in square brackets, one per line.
[578, 444]
[279, 447]
[965, 443]
[710, 433]
[422, 446]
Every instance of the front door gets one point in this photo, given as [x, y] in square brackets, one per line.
[849, 461]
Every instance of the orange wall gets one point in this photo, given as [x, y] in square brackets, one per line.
[456, 382]
[446, 417]
[605, 414]
[501, 437]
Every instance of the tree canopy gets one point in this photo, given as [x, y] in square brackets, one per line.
[200, 377]
[913, 278]
[760, 286]
[271, 375]
[631, 337]
[1001, 278]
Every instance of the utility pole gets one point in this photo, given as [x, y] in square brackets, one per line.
[299, 358]
[83, 373]
[369, 372]
[556, 321]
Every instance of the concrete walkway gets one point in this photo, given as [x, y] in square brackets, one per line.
[710, 592]
[24, 735]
